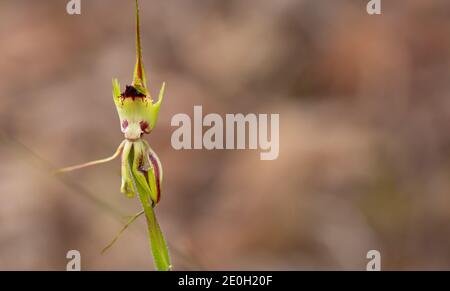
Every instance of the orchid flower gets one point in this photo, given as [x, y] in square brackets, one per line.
[141, 168]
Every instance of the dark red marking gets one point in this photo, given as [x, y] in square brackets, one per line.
[131, 92]
[125, 124]
[144, 126]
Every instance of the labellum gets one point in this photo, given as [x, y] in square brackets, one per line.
[140, 167]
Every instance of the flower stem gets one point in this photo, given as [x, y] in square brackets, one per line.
[158, 244]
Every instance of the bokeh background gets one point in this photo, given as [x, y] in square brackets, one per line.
[364, 104]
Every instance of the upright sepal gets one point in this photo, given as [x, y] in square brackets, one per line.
[139, 79]
[137, 110]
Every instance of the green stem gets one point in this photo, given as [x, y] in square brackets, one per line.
[158, 244]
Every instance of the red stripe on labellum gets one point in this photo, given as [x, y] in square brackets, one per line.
[157, 176]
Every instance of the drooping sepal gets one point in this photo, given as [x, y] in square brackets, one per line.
[127, 183]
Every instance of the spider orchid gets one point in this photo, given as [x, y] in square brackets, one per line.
[140, 167]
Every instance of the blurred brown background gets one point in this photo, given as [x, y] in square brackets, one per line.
[364, 143]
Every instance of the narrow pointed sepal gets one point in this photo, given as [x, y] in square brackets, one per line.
[92, 163]
[127, 183]
[139, 79]
[129, 222]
